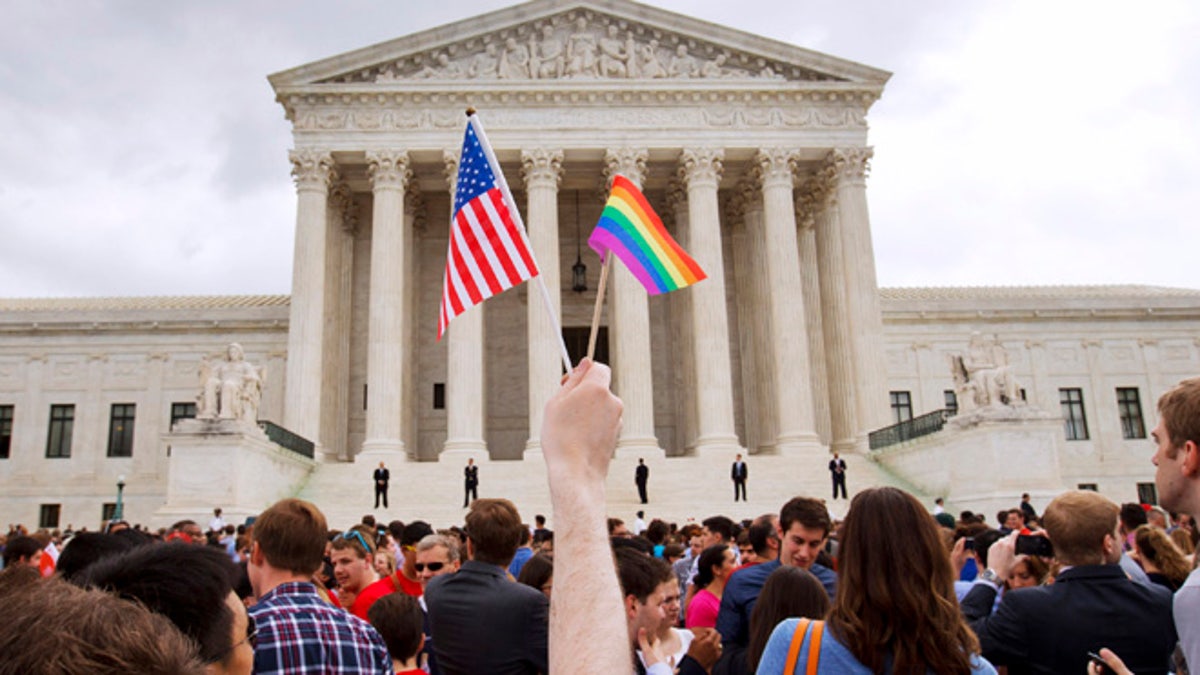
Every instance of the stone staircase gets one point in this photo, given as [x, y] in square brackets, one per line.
[681, 489]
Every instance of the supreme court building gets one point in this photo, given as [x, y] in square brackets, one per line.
[756, 155]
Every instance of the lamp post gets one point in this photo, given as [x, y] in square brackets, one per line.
[119, 511]
[578, 270]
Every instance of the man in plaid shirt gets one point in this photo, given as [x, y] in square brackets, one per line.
[297, 631]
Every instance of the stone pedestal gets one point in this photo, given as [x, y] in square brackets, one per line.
[227, 464]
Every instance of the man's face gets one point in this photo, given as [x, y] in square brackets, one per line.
[649, 615]
[1014, 522]
[1170, 475]
[748, 554]
[800, 545]
[436, 556]
[669, 590]
[352, 571]
[241, 657]
[709, 538]
[622, 531]
[697, 545]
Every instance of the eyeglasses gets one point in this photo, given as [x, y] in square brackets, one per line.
[352, 535]
[433, 566]
[251, 637]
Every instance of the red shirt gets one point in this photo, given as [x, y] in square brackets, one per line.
[389, 584]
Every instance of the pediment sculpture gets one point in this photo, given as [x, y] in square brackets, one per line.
[579, 46]
[230, 387]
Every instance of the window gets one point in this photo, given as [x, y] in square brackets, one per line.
[901, 406]
[6, 419]
[62, 423]
[48, 517]
[439, 395]
[108, 511]
[951, 402]
[1129, 407]
[1074, 419]
[1090, 487]
[1147, 493]
[182, 411]
[120, 430]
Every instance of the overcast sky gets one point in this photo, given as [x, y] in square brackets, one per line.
[1019, 142]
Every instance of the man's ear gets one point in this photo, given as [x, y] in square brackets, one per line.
[1191, 459]
[256, 555]
[630, 607]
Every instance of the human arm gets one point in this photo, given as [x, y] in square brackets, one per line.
[1114, 663]
[587, 618]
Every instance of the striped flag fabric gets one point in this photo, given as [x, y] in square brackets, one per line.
[488, 251]
[631, 229]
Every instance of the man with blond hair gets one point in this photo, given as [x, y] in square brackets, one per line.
[297, 631]
[1177, 476]
[1091, 604]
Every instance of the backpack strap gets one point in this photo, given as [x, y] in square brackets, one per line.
[814, 648]
[793, 656]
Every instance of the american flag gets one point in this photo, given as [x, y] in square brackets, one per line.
[488, 250]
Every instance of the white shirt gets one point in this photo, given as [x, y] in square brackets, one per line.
[1186, 609]
[216, 524]
[639, 526]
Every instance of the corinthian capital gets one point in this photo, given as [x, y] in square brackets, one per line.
[388, 169]
[775, 167]
[629, 162]
[701, 166]
[450, 170]
[312, 169]
[342, 200]
[850, 164]
[541, 167]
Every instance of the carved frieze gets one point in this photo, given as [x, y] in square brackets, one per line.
[579, 45]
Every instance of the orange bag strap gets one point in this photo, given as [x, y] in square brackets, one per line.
[793, 656]
[814, 648]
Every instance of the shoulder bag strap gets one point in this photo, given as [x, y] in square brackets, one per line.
[793, 656]
[814, 648]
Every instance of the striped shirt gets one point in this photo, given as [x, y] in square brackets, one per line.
[300, 633]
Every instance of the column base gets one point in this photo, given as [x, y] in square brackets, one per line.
[383, 450]
[719, 446]
[463, 449]
[533, 450]
[843, 446]
[800, 445]
[634, 448]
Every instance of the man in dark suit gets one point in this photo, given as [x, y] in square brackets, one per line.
[470, 483]
[739, 473]
[382, 476]
[1092, 603]
[640, 476]
[481, 621]
[837, 471]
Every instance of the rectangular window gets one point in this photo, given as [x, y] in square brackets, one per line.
[48, 517]
[951, 402]
[1129, 407]
[62, 424]
[182, 411]
[120, 430]
[6, 422]
[1074, 419]
[439, 395]
[1147, 493]
[1090, 487]
[901, 406]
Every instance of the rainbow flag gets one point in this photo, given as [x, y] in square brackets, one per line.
[631, 229]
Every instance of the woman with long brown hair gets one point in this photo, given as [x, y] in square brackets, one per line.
[895, 609]
[1160, 557]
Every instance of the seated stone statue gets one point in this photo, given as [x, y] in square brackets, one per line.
[983, 376]
[231, 389]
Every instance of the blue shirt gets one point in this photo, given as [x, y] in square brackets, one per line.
[741, 592]
[523, 555]
[298, 632]
[834, 658]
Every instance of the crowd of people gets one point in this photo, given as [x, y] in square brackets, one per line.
[893, 588]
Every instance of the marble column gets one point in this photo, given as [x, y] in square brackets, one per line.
[835, 322]
[542, 170]
[339, 267]
[862, 291]
[789, 377]
[806, 234]
[314, 172]
[414, 220]
[684, 381]
[629, 334]
[700, 170]
[466, 404]
[744, 218]
[386, 333]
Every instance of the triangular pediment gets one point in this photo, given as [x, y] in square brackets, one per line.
[551, 42]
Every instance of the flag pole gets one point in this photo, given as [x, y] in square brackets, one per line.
[599, 304]
[473, 120]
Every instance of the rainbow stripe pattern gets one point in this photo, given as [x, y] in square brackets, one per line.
[632, 230]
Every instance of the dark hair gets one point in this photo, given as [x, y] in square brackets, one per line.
[291, 535]
[713, 556]
[895, 592]
[187, 584]
[20, 547]
[657, 531]
[537, 571]
[86, 548]
[613, 524]
[761, 532]
[415, 532]
[494, 528]
[396, 529]
[539, 519]
[398, 618]
[672, 550]
[639, 573]
[789, 592]
[722, 526]
[983, 542]
[1132, 515]
[809, 512]
[526, 535]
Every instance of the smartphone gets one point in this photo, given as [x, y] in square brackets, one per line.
[968, 543]
[1100, 664]
[1028, 544]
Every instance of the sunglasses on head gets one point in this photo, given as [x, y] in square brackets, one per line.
[433, 566]
[353, 535]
